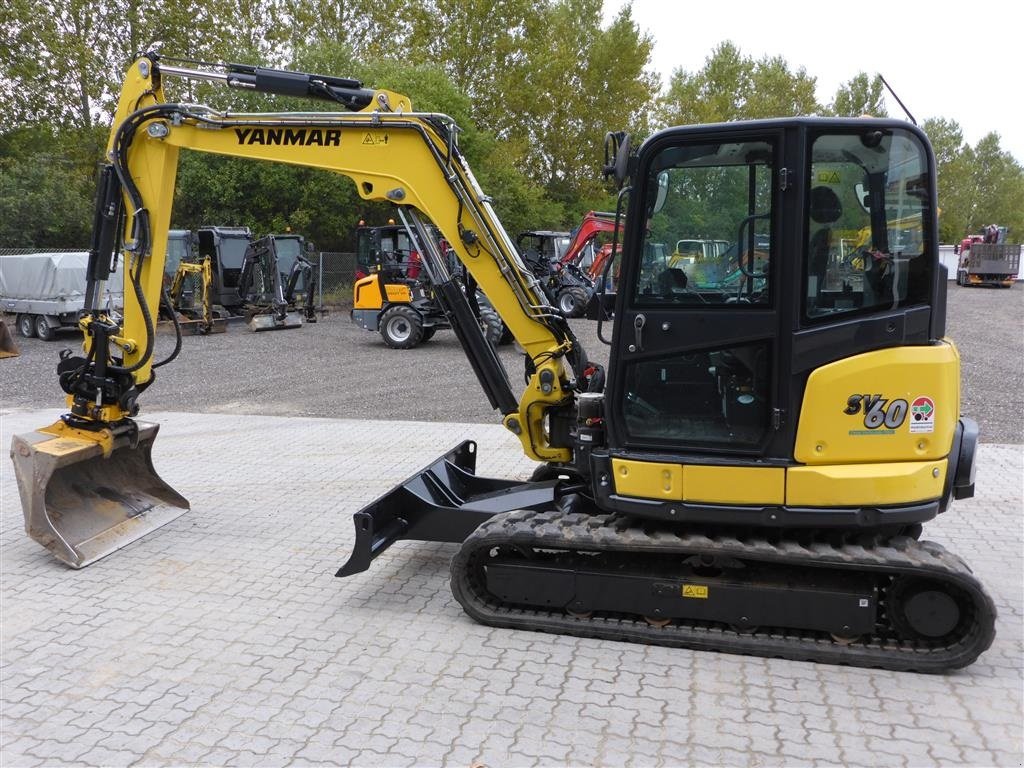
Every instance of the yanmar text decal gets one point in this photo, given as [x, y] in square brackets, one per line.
[298, 137]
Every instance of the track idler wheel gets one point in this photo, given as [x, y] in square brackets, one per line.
[920, 610]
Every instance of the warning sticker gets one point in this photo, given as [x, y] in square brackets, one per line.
[375, 139]
[695, 590]
[922, 415]
[829, 177]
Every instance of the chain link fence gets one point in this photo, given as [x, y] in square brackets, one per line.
[335, 274]
[25, 251]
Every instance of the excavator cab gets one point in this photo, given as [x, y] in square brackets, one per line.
[226, 248]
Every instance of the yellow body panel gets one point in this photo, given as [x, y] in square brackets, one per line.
[399, 294]
[366, 293]
[862, 409]
[648, 479]
[844, 485]
[698, 482]
[854, 485]
[734, 485]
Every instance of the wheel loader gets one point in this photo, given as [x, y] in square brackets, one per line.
[394, 294]
[750, 474]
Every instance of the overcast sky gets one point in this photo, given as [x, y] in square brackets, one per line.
[961, 61]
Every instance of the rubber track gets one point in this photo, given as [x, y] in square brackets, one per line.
[593, 533]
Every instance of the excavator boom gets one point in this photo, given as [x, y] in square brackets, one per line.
[391, 153]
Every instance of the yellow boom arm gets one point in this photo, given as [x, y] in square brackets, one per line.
[391, 154]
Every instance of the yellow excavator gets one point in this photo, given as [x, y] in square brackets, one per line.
[750, 474]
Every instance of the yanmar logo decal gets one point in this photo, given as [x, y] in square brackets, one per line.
[285, 137]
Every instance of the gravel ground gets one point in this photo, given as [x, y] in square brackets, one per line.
[335, 369]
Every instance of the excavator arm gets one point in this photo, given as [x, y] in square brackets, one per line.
[393, 155]
[401, 157]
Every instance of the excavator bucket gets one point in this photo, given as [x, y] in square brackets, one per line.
[270, 322]
[7, 346]
[82, 504]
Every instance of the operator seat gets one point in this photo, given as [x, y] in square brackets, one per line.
[825, 210]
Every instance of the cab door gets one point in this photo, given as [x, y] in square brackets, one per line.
[695, 368]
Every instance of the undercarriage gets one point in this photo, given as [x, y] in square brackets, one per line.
[540, 557]
[892, 603]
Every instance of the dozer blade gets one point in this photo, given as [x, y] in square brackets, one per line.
[268, 322]
[7, 346]
[217, 325]
[199, 327]
[81, 504]
[445, 501]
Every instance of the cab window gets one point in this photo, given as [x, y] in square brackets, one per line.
[868, 210]
[708, 242]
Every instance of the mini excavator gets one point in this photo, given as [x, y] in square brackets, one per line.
[750, 474]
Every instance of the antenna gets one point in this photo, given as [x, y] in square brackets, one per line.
[904, 106]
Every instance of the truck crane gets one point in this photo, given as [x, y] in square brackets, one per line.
[750, 475]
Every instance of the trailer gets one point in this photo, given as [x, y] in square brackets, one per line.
[987, 259]
[46, 291]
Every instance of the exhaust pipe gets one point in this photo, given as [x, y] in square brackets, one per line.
[87, 496]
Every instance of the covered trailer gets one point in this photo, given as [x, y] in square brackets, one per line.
[46, 291]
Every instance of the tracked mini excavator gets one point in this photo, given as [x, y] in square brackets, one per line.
[272, 270]
[751, 473]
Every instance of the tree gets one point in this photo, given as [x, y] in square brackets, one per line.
[369, 29]
[45, 202]
[63, 62]
[475, 42]
[859, 96]
[562, 98]
[996, 180]
[732, 86]
[955, 196]
[52, 58]
[978, 185]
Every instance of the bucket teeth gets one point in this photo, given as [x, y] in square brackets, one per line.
[82, 504]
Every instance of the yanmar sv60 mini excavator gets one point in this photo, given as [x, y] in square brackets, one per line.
[750, 474]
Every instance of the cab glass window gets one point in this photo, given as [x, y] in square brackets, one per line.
[709, 236]
[867, 223]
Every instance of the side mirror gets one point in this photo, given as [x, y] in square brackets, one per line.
[662, 193]
[863, 196]
[616, 156]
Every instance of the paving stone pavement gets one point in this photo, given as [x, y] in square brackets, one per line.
[225, 639]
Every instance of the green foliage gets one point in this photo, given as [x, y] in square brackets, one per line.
[859, 96]
[978, 185]
[566, 92]
[533, 84]
[732, 86]
[44, 203]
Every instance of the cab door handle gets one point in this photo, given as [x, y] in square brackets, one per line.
[638, 331]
